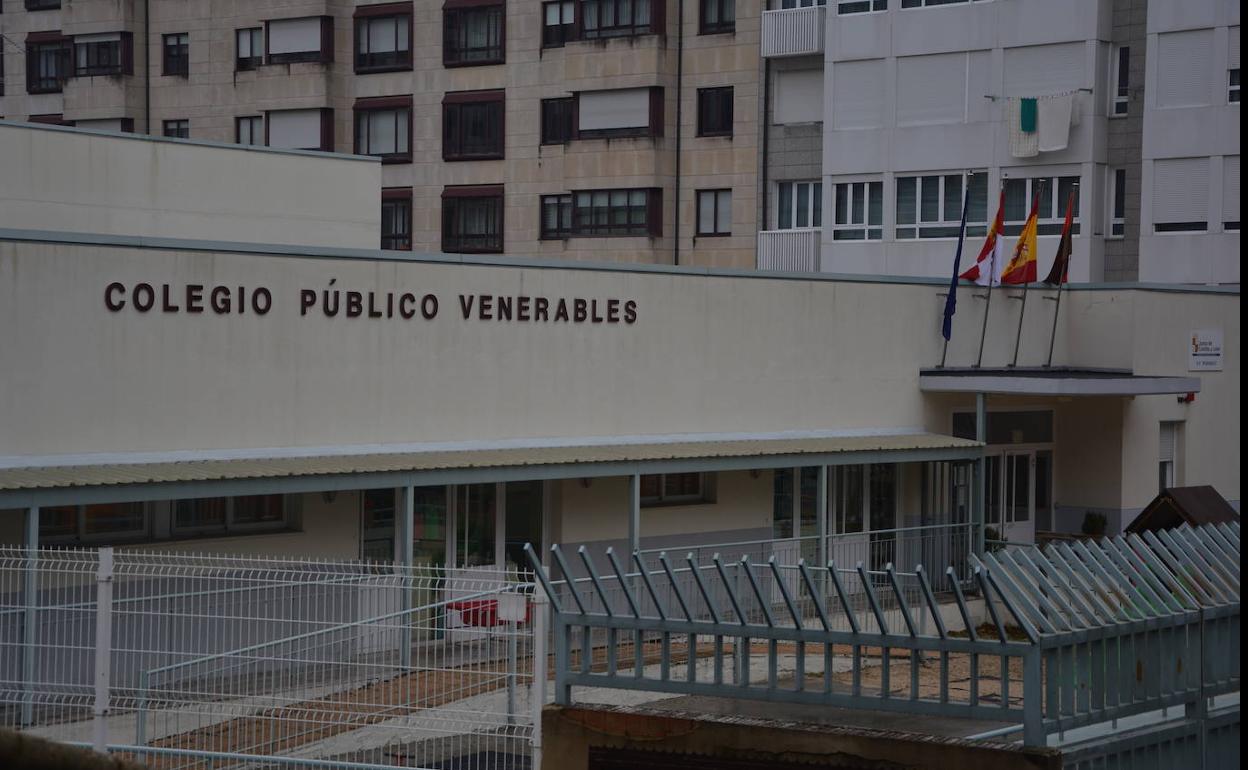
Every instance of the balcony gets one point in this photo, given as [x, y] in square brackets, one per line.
[794, 251]
[793, 31]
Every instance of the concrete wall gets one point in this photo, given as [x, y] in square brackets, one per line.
[65, 179]
[1126, 138]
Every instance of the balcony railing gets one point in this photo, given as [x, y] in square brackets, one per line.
[789, 250]
[793, 31]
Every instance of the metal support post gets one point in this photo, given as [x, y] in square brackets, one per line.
[980, 482]
[1033, 691]
[821, 507]
[512, 660]
[103, 648]
[537, 691]
[634, 513]
[30, 616]
[403, 553]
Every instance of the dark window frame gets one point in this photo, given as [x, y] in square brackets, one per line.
[43, 5]
[382, 104]
[558, 117]
[714, 232]
[558, 35]
[671, 489]
[585, 222]
[720, 25]
[177, 64]
[385, 61]
[122, 65]
[455, 203]
[238, 134]
[252, 62]
[562, 202]
[454, 17]
[653, 129]
[398, 200]
[57, 47]
[327, 129]
[462, 107]
[715, 111]
[324, 54]
[166, 124]
[618, 28]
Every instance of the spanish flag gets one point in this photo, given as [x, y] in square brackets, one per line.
[987, 268]
[1022, 267]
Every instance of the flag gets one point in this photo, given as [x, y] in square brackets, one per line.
[1022, 267]
[951, 299]
[1061, 263]
[987, 268]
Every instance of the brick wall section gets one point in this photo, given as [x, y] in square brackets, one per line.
[1126, 140]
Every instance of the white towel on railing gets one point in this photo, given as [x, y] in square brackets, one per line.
[1053, 118]
[1023, 144]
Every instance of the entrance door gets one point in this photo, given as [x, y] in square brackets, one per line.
[1018, 496]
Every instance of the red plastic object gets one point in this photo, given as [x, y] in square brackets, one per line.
[483, 612]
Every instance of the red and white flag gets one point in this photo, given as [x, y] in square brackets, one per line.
[990, 263]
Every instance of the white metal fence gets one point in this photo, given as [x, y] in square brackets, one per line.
[204, 661]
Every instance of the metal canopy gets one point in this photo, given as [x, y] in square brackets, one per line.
[1053, 381]
[51, 484]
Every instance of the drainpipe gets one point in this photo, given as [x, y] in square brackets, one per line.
[680, 69]
[147, 68]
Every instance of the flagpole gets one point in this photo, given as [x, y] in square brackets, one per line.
[1018, 337]
[1057, 307]
[992, 273]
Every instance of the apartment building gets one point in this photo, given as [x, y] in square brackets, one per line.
[924, 101]
[619, 130]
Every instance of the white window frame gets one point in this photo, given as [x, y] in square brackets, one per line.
[869, 231]
[1116, 227]
[1053, 224]
[947, 219]
[853, 7]
[1232, 89]
[1119, 95]
[813, 194]
[1168, 467]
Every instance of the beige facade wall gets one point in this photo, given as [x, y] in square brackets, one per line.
[214, 95]
[66, 180]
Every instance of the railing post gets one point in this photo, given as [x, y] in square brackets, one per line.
[403, 557]
[1033, 695]
[30, 616]
[103, 648]
[537, 691]
[979, 518]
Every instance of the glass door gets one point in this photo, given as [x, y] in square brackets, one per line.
[1018, 496]
[849, 512]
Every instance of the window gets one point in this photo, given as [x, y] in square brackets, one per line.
[310, 129]
[619, 112]
[176, 129]
[473, 36]
[1232, 65]
[858, 211]
[799, 205]
[1180, 195]
[249, 130]
[383, 127]
[306, 39]
[249, 48]
[714, 212]
[1184, 67]
[49, 62]
[1230, 193]
[800, 3]
[931, 3]
[1122, 81]
[1167, 451]
[1232, 86]
[105, 54]
[557, 121]
[1021, 427]
[930, 206]
[558, 23]
[223, 515]
[176, 58]
[617, 212]
[673, 488]
[383, 38]
[717, 16]
[396, 219]
[472, 125]
[472, 219]
[847, 7]
[102, 522]
[1054, 193]
[715, 111]
[617, 18]
[42, 5]
[556, 221]
[1118, 203]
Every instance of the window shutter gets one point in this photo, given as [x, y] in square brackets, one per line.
[1184, 68]
[1230, 188]
[621, 108]
[299, 129]
[1165, 449]
[1232, 49]
[858, 94]
[799, 96]
[1041, 70]
[1181, 190]
[931, 89]
[287, 36]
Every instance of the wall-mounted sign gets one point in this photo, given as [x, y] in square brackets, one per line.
[1205, 351]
